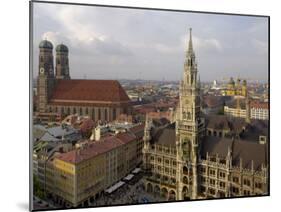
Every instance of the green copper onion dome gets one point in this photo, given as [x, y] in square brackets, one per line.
[46, 44]
[61, 48]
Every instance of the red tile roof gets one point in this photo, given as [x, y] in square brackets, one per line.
[89, 90]
[96, 148]
[258, 104]
[137, 128]
[126, 137]
[92, 150]
[87, 124]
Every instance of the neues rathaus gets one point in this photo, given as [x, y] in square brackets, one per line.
[199, 156]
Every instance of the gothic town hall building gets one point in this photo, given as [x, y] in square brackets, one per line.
[57, 93]
[199, 157]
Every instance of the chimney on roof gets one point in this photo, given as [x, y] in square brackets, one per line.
[262, 139]
[97, 133]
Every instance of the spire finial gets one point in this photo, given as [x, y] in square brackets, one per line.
[190, 47]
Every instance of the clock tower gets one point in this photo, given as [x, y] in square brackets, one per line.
[189, 125]
[46, 80]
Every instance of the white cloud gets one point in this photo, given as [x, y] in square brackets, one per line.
[210, 44]
[103, 41]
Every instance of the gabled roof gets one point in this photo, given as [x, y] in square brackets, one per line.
[96, 148]
[164, 135]
[92, 150]
[88, 91]
[217, 122]
[246, 150]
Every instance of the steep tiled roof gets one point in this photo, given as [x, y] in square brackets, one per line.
[91, 150]
[223, 122]
[217, 122]
[164, 135]
[89, 90]
[246, 150]
[138, 130]
[258, 104]
[96, 148]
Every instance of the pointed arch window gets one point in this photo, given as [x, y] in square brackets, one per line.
[188, 115]
[184, 115]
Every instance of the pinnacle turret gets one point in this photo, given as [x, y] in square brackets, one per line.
[190, 46]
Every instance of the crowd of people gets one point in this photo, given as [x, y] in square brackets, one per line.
[132, 192]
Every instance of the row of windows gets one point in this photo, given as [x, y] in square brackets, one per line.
[80, 110]
[165, 169]
[246, 182]
[167, 161]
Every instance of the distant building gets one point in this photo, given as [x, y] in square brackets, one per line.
[58, 94]
[83, 123]
[215, 85]
[169, 115]
[236, 108]
[236, 88]
[212, 104]
[259, 110]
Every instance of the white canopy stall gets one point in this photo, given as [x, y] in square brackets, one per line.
[136, 170]
[114, 187]
[128, 177]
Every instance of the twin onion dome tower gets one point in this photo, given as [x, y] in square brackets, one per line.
[59, 96]
[47, 78]
[62, 64]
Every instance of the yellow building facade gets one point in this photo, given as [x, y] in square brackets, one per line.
[237, 88]
[77, 177]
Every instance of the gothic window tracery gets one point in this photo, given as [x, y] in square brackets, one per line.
[184, 115]
[188, 115]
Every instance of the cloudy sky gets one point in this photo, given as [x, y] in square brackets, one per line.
[118, 43]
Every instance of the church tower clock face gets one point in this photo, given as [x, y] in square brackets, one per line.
[42, 70]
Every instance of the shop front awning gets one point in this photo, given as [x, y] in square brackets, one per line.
[114, 187]
[129, 177]
[136, 170]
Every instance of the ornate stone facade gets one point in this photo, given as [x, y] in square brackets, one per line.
[184, 160]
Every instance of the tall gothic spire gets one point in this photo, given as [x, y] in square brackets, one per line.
[190, 46]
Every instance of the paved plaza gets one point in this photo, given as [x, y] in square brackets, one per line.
[131, 193]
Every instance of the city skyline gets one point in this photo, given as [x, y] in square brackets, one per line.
[148, 45]
[112, 142]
